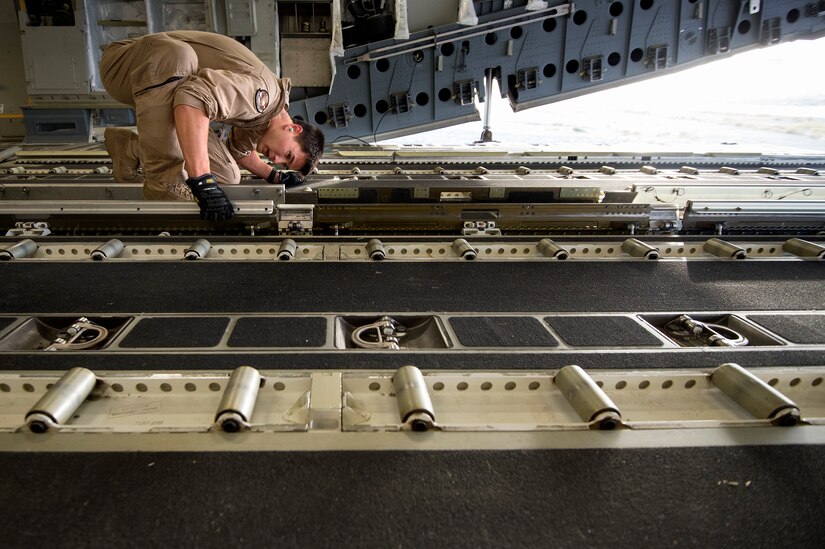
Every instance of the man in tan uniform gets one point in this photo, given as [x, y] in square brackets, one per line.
[178, 82]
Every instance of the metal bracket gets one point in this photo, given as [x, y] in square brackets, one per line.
[400, 102]
[816, 9]
[29, 228]
[473, 228]
[528, 78]
[339, 114]
[657, 57]
[592, 68]
[295, 218]
[241, 19]
[772, 31]
[464, 91]
[719, 40]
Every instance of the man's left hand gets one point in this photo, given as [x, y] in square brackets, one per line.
[288, 179]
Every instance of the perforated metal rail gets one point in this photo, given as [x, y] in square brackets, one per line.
[259, 407]
[486, 248]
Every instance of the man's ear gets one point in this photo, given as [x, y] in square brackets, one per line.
[297, 129]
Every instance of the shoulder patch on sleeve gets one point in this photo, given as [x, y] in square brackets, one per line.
[261, 100]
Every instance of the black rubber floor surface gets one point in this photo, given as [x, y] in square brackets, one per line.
[225, 287]
[498, 331]
[176, 332]
[204, 360]
[564, 498]
[806, 329]
[605, 331]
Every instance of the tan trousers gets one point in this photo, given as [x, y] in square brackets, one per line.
[145, 73]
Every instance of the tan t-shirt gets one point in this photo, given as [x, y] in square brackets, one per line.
[232, 86]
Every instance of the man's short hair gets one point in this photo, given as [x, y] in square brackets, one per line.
[311, 140]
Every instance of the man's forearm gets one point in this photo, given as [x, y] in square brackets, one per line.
[192, 127]
[253, 164]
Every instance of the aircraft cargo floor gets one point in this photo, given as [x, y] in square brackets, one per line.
[750, 496]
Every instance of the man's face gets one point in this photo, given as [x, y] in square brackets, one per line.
[280, 144]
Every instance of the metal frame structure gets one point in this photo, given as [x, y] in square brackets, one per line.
[428, 78]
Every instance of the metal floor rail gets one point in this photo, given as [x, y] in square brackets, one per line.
[253, 409]
[30, 247]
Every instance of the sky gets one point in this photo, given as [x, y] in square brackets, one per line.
[765, 100]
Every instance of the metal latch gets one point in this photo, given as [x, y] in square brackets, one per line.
[295, 218]
[29, 228]
[82, 334]
[695, 332]
[472, 228]
[385, 333]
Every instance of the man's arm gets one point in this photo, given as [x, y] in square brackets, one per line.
[192, 127]
[253, 163]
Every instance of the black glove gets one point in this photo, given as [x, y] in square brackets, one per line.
[214, 204]
[289, 179]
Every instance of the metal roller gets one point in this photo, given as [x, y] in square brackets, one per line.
[754, 395]
[111, 249]
[238, 401]
[590, 402]
[803, 248]
[375, 250]
[463, 249]
[414, 404]
[198, 250]
[287, 249]
[19, 250]
[60, 402]
[637, 248]
[720, 248]
[550, 249]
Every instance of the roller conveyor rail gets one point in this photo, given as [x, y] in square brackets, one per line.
[342, 404]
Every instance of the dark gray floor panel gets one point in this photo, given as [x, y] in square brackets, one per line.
[801, 328]
[384, 360]
[556, 498]
[602, 331]
[178, 331]
[279, 332]
[501, 331]
[468, 286]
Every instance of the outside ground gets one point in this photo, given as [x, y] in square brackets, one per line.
[770, 100]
